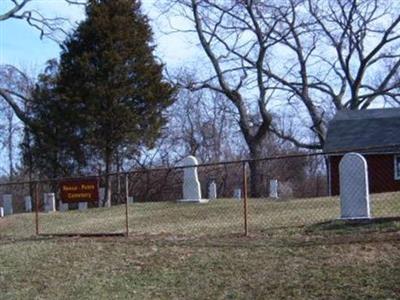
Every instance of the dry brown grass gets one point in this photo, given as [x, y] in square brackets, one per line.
[294, 251]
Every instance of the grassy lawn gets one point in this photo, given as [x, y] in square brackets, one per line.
[184, 251]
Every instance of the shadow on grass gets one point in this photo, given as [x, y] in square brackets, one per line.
[339, 232]
[356, 225]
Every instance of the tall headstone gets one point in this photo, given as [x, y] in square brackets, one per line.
[191, 183]
[237, 194]
[82, 206]
[49, 202]
[1, 212]
[273, 188]
[63, 206]
[212, 191]
[28, 203]
[7, 204]
[354, 191]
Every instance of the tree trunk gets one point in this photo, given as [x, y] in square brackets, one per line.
[107, 190]
[118, 165]
[27, 144]
[257, 176]
[10, 145]
[328, 176]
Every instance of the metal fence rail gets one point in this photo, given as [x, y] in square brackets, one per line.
[240, 197]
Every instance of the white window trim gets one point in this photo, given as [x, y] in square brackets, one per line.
[396, 170]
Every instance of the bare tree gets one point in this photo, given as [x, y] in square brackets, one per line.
[202, 125]
[312, 57]
[199, 124]
[340, 55]
[47, 26]
[15, 85]
[236, 37]
[10, 129]
[15, 89]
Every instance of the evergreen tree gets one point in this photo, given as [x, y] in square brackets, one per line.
[52, 144]
[112, 82]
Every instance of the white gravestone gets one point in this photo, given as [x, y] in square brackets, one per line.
[63, 206]
[49, 202]
[237, 194]
[354, 191]
[1, 212]
[130, 200]
[273, 188]
[7, 204]
[212, 191]
[191, 183]
[28, 203]
[82, 206]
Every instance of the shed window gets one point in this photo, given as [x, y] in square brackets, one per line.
[397, 167]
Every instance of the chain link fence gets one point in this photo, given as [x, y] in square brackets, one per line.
[274, 193]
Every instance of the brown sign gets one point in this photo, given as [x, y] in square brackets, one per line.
[82, 190]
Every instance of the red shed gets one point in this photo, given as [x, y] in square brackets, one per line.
[374, 133]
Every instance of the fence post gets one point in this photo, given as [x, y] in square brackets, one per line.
[245, 198]
[126, 204]
[37, 207]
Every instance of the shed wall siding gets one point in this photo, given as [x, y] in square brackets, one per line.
[380, 173]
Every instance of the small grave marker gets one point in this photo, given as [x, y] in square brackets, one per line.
[63, 206]
[28, 203]
[49, 202]
[237, 194]
[82, 206]
[212, 191]
[7, 204]
[273, 188]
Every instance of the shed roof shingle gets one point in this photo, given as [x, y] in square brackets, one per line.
[362, 129]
